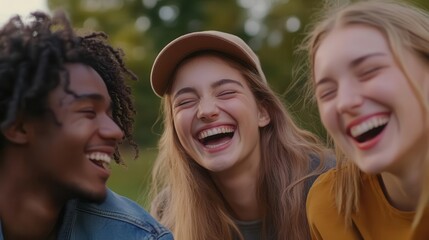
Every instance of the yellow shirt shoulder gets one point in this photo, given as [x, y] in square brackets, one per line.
[375, 219]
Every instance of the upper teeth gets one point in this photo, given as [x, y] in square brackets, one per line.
[368, 125]
[99, 156]
[214, 131]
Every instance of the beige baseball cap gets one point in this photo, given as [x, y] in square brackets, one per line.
[174, 52]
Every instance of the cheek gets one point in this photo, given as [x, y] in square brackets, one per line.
[329, 120]
[182, 127]
[325, 115]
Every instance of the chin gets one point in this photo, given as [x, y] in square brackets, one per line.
[91, 195]
[97, 197]
[371, 168]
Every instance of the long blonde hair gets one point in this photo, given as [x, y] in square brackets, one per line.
[406, 28]
[187, 201]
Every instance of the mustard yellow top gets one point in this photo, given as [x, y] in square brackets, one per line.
[376, 218]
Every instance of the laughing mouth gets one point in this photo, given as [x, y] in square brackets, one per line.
[215, 137]
[100, 159]
[369, 129]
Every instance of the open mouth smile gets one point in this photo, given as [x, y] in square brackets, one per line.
[100, 159]
[368, 129]
[216, 137]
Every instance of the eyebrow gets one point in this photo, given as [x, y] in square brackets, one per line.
[359, 60]
[213, 85]
[353, 64]
[226, 81]
[90, 97]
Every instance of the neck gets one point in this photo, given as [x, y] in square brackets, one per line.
[239, 190]
[403, 182]
[28, 210]
[403, 189]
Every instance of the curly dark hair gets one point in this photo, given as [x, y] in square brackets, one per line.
[32, 63]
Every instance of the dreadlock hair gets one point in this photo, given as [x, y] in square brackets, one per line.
[32, 63]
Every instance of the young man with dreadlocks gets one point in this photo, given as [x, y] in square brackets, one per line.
[64, 108]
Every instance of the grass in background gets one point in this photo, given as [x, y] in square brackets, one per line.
[133, 179]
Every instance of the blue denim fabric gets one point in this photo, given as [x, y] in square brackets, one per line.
[116, 218]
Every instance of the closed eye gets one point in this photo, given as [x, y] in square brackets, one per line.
[370, 73]
[326, 89]
[185, 102]
[226, 94]
[89, 113]
[326, 94]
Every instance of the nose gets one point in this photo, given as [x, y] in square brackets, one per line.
[207, 109]
[349, 97]
[108, 129]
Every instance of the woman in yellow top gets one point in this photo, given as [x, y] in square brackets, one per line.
[370, 75]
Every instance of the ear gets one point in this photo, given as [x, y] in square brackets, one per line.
[16, 132]
[263, 117]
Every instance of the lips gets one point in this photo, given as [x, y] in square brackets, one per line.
[216, 136]
[369, 128]
[101, 159]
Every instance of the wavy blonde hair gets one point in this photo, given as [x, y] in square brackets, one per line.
[406, 28]
[187, 201]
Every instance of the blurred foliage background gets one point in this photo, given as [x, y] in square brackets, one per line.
[141, 28]
[273, 28]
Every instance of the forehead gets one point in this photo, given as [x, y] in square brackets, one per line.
[202, 70]
[83, 80]
[350, 41]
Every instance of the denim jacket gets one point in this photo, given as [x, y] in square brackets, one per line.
[115, 218]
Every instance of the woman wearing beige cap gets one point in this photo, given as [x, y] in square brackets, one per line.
[232, 163]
